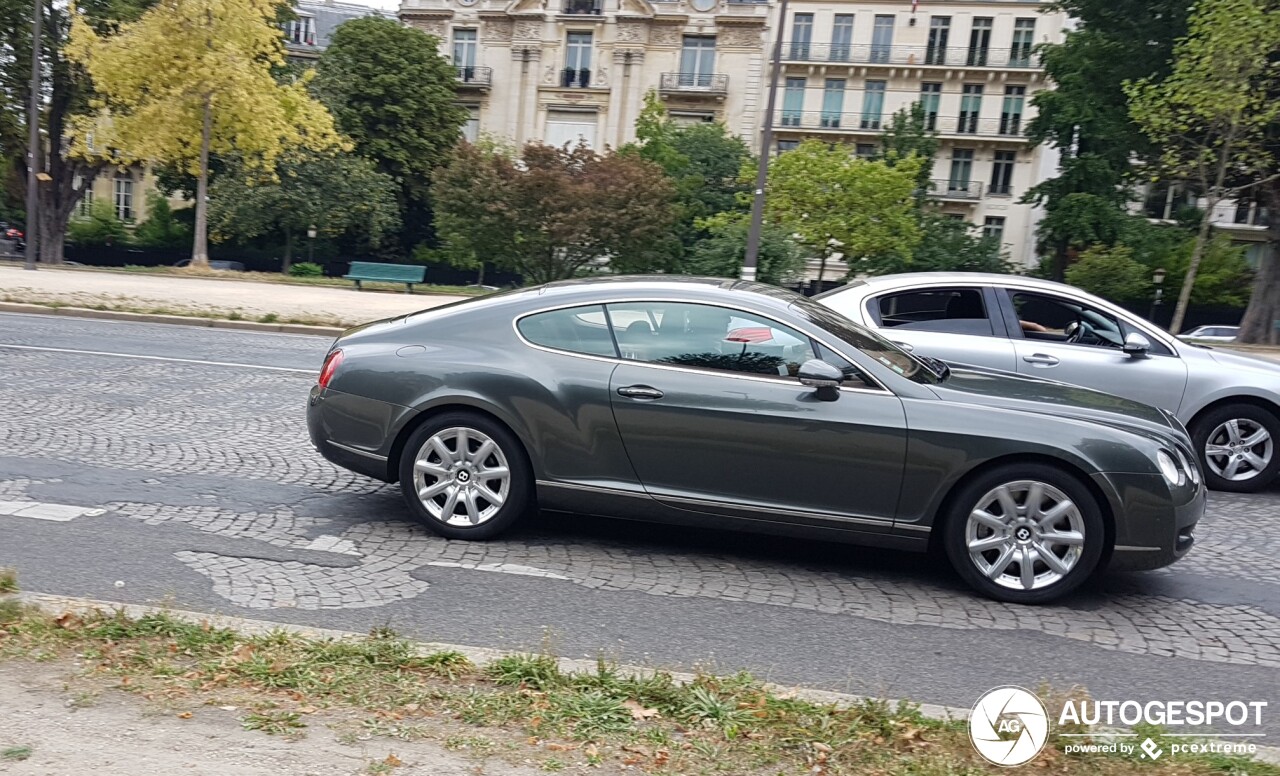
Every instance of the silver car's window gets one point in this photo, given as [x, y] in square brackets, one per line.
[1051, 319]
[575, 329]
[869, 342]
[707, 337]
[949, 310]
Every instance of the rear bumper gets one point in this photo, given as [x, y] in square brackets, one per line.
[1154, 525]
[320, 427]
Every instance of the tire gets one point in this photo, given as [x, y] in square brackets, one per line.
[1079, 527]
[430, 465]
[1213, 431]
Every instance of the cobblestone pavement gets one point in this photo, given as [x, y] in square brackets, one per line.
[222, 453]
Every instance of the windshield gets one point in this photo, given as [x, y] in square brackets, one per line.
[882, 350]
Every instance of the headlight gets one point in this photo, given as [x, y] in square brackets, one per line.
[1169, 468]
[1188, 466]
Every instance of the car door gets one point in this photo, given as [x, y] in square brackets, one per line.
[1047, 347]
[713, 420]
[959, 324]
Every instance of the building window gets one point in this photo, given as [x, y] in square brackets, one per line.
[301, 31]
[801, 35]
[833, 103]
[1002, 173]
[1011, 113]
[577, 61]
[873, 104]
[970, 108]
[471, 129]
[124, 198]
[582, 7]
[930, 96]
[697, 61]
[939, 32]
[464, 51]
[86, 201]
[787, 145]
[842, 37]
[882, 38]
[993, 226]
[569, 128]
[979, 41]
[1024, 38]
[793, 102]
[961, 171]
[866, 150]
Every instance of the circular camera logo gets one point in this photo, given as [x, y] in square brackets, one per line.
[1008, 726]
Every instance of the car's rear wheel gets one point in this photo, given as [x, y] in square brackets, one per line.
[465, 476]
[1026, 533]
[1237, 444]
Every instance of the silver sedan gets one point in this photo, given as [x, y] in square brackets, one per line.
[1229, 402]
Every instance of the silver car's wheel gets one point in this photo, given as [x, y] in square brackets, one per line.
[1239, 449]
[461, 476]
[1025, 535]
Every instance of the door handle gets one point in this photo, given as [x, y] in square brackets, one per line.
[640, 392]
[1040, 359]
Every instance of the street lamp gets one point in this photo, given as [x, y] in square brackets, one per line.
[751, 258]
[33, 141]
[1157, 278]
[311, 243]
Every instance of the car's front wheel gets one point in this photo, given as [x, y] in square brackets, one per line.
[465, 476]
[1026, 533]
[1237, 446]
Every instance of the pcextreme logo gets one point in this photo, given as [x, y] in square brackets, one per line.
[1008, 726]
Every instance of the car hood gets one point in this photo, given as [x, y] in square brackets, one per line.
[1010, 391]
[1246, 362]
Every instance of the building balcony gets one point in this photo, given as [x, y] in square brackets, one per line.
[473, 77]
[955, 191]
[913, 56]
[575, 79]
[946, 126]
[694, 84]
[582, 8]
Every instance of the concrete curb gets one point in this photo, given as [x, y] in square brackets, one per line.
[481, 656]
[179, 320]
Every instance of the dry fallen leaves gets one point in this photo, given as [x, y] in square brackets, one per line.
[392, 761]
[638, 711]
[185, 715]
[242, 653]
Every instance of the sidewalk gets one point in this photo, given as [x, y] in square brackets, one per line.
[209, 296]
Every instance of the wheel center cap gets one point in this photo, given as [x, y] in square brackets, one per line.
[464, 476]
[1023, 534]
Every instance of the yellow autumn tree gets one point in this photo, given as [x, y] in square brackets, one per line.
[195, 77]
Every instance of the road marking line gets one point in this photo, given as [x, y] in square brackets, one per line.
[500, 568]
[159, 358]
[42, 511]
[330, 543]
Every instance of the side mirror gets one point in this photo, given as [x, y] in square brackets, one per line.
[822, 376]
[1136, 345]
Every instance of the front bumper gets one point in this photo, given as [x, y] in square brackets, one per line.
[1154, 525]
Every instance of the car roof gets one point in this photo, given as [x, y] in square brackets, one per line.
[618, 287]
[904, 278]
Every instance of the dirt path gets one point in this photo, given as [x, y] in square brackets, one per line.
[72, 730]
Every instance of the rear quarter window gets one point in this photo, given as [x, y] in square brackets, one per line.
[572, 329]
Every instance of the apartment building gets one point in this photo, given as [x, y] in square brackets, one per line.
[307, 33]
[564, 70]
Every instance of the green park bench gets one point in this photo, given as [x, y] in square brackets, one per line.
[386, 273]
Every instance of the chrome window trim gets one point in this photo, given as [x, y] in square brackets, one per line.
[844, 518]
[1120, 315]
[515, 326]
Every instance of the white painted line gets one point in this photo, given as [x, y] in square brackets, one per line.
[330, 543]
[42, 511]
[500, 568]
[160, 358]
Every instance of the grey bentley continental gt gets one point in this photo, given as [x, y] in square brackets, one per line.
[721, 403]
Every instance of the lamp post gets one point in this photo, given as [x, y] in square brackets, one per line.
[751, 258]
[1157, 278]
[311, 243]
[33, 141]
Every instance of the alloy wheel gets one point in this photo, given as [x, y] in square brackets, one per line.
[1239, 449]
[461, 476]
[1025, 535]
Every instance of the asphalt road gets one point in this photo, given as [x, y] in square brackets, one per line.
[212, 499]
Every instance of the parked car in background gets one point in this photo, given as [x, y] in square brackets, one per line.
[1230, 402]
[233, 266]
[720, 403]
[1211, 334]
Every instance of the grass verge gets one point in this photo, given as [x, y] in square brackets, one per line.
[524, 705]
[125, 305]
[292, 280]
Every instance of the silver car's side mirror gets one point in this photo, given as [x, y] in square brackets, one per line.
[818, 374]
[1136, 345]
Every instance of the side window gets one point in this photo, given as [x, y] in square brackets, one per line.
[950, 310]
[1052, 319]
[707, 337]
[853, 376]
[575, 329]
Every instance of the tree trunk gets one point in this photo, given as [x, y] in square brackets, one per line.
[1197, 254]
[480, 275]
[287, 261]
[200, 250]
[1260, 318]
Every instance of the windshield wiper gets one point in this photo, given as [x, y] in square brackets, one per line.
[938, 367]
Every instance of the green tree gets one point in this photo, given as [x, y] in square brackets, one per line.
[99, 226]
[1212, 113]
[908, 135]
[161, 229]
[556, 212]
[192, 78]
[337, 193]
[946, 245]
[722, 251]
[824, 194]
[1111, 273]
[394, 95]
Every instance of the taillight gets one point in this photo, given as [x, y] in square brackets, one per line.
[331, 364]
